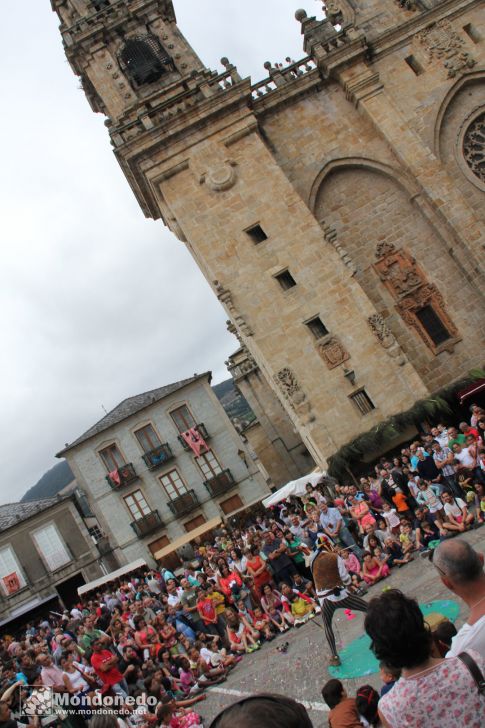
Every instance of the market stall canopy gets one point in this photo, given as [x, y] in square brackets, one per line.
[294, 487]
[187, 537]
[127, 569]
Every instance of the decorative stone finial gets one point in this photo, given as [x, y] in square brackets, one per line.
[267, 65]
[300, 15]
[225, 62]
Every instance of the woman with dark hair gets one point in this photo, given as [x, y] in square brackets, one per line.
[431, 692]
[263, 711]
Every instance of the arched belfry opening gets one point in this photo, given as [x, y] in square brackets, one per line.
[144, 59]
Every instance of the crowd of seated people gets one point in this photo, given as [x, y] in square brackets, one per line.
[169, 637]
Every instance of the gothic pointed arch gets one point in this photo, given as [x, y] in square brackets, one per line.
[329, 167]
[394, 249]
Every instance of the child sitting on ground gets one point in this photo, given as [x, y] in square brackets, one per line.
[169, 715]
[352, 564]
[380, 555]
[367, 700]
[384, 530]
[343, 710]
[263, 624]
[389, 676]
[407, 538]
[373, 570]
[302, 607]
[443, 637]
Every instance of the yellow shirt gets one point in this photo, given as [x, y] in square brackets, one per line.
[218, 601]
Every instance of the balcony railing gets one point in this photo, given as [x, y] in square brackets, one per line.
[122, 476]
[202, 432]
[220, 483]
[143, 526]
[158, 456]
[184, 503]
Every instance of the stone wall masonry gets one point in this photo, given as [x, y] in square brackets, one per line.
[214, 222]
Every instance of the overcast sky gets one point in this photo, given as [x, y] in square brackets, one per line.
[96, 301]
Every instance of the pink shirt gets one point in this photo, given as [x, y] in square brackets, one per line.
[443, 697]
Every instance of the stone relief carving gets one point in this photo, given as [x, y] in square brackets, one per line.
[333, 11]
[474, 147]
[399, 270]
[384, 249]
[289, 386]
[386, 338]
[409, 286]
[332, 352]
[220, 176]
[441, 41]
[225, 297]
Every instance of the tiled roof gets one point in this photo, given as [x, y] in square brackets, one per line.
[13, 513]
[129, 407]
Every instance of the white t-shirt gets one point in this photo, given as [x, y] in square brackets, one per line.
[464, 458]
[455, 509]
[469, 637]
[391, 518]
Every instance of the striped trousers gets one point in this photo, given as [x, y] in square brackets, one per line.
[329, 607]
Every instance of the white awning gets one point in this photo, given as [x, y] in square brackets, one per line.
[294, 487]
[186, 538]
[138, 564]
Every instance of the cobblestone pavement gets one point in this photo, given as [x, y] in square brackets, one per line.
[301, 672]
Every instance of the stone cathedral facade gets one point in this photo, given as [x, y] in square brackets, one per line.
[335, 207]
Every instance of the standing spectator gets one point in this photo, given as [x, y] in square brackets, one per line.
[461, 571]
[281, 564]
[426, 466]
[104, 663]
[443, 459]
[333, 525]
[432, 692]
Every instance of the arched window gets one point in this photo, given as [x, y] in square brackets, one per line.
[144, 59]
[474, 147]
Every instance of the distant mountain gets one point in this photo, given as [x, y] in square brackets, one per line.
[51, 482]
[237, 409]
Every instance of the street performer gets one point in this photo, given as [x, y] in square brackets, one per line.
[333, 586]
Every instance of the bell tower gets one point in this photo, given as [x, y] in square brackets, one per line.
[129, 54]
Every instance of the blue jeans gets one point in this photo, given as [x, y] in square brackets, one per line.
[346, 539]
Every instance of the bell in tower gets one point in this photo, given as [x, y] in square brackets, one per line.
[126, 52]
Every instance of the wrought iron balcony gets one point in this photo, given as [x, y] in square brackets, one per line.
[124, 475]
[143, 526]
[220, 483]
[202, 432]
[184, 503]
[158, 456]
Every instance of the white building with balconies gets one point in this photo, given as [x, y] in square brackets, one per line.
[163, 468]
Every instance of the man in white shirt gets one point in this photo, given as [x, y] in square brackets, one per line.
[461, 571]
[457, 517]
[464, 457]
